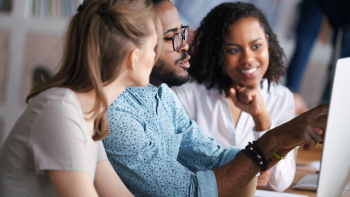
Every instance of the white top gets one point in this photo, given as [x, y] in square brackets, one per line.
[212, 113]
[51, 134]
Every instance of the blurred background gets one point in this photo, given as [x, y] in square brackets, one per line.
[31, 36]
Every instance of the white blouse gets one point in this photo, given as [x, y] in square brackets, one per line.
[211, 111]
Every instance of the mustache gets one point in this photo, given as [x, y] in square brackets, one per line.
[183, 57]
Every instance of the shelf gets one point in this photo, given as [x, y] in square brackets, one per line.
[21, 23]
[33, 24]
[53, 9]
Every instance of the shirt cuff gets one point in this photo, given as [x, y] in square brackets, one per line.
[229, 155]
[207, 185]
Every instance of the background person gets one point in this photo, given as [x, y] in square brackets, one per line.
[247, 58]
[312, 13]
[55, 147]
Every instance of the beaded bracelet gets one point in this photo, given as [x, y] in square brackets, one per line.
[253, 152]
[278, 157]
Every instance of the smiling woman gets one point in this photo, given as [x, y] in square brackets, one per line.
[212, 40]
[234, 96]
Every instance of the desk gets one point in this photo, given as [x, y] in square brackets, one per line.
[304, 157]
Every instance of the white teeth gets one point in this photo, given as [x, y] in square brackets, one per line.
[249, 71]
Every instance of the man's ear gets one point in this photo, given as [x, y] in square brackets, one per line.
[132, 59]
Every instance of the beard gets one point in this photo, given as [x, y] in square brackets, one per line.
[162, 72]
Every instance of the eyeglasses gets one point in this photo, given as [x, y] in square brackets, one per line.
[178, 38]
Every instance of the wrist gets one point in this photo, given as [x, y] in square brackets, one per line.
[262, 121]
[269, 144]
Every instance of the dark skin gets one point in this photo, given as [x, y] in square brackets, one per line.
[235, 175]
[247, 48]
[171, 23]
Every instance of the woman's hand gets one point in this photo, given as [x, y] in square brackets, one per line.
[249, 100]
[264, 177]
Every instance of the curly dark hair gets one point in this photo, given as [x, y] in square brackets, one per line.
[207, 50]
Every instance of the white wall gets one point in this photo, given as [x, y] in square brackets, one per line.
[19, 23]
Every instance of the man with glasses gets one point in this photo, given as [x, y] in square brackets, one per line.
[157, 151]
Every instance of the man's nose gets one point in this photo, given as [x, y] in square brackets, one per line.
[184, 46]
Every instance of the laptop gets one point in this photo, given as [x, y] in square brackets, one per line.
[334, 175]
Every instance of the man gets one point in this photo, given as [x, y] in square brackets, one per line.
[157, 151]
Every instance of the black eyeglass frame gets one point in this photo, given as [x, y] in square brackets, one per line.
[183, 37]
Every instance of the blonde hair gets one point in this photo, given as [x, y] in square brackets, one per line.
[98, 39]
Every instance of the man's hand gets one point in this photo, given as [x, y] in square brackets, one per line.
[236, 174]
[264, 178]
[305, 130]
[249, 100]
[323, 118]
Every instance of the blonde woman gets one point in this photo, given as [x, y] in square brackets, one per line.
[55, 147]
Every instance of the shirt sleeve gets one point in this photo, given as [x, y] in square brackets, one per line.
[197, 151]
[146, 169]
[57, 140]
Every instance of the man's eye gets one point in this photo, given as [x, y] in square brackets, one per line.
[257, 46]
[167, 39]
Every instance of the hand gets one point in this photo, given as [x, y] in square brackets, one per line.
[305, 130]
[264, 178]
[323, 118]
[249, 100]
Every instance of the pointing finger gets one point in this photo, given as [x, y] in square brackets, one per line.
[318, 124]
[315, 112]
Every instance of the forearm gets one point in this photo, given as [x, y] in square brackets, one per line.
[262, 121]
[108, 183]
[280, 152]
[235, 175]
[72, 183]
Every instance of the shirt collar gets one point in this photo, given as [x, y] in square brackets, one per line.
[147, 93]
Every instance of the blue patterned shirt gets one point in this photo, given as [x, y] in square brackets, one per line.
[157, 150]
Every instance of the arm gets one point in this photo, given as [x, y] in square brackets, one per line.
[141, 162]
[197, 151]
[58, 144]
[299, 131]
[250, 101]
[72, 184]
[107, 182]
